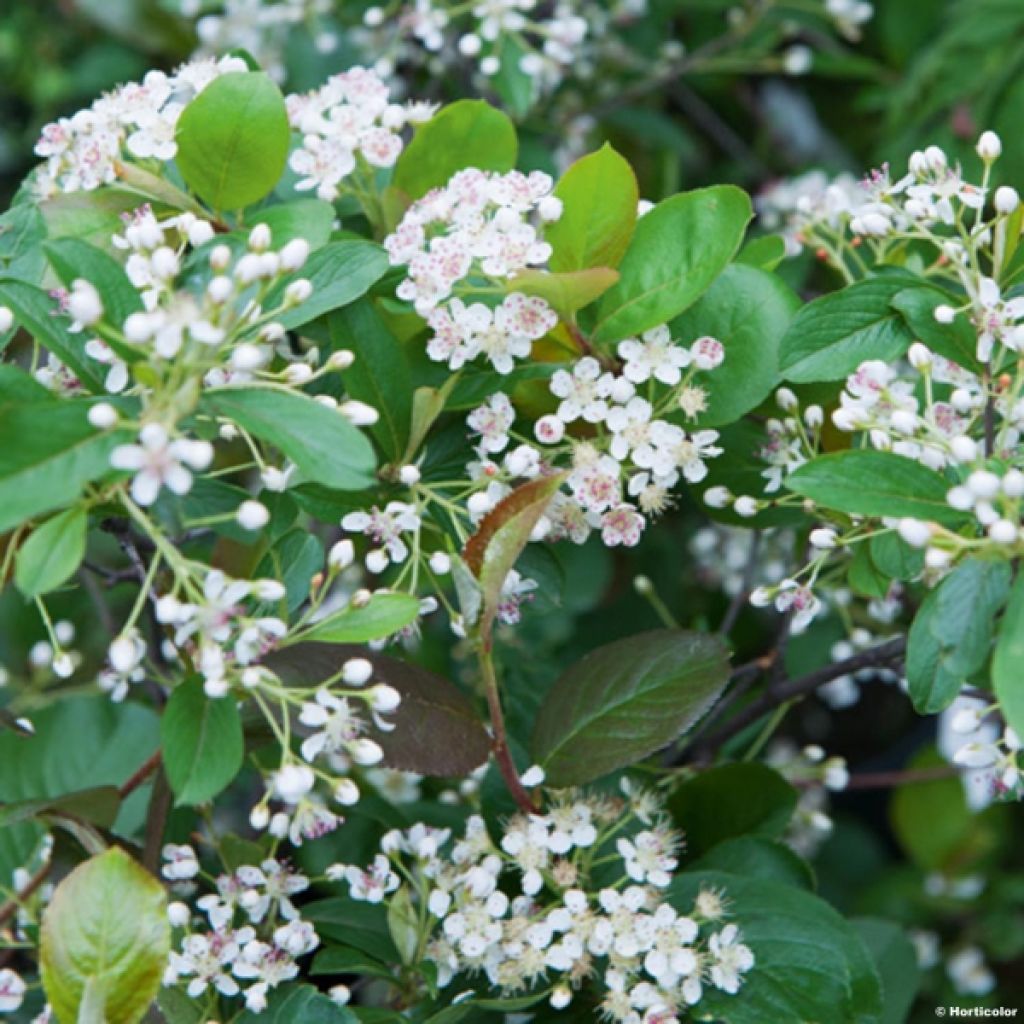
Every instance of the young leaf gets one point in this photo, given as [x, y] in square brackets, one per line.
[105, 940]
[951, 634]
[320, 441]
[468, 133]
[403, 924]
[1008, 661]
[48, 452]
[810, 963]
[748, 310]
[501, 535]
[625, 700]
[729, 801]
[437, 730]
[871, 483]
[93, 217]
[202, 743]
[233, 140]
[340, 273]
[565, 293]
[381, 616]
[831, 336]
[677, 250]
[599, 197]
[52, 553]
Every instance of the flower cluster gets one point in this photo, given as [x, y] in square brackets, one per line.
[973, 736]
[347, 123]
[82, 151]
[472, 237]
[557, 929]
[243, 940]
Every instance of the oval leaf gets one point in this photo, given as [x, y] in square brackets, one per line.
[52, 554]
[105, 940]
[625, 700]
[320, 441]
[677, 250]
[202, 743]
[1008, 661]
[233, 140]
[870, 483]
[381, 616]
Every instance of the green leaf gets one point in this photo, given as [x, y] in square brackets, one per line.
[105, 939]
[754, 856]
[748, 310]
[468, 133]
[437, 730]
[93, 217]
[831, 336]
[895, 557]
[403, 925]
[379, 376]
[515, 88]
[492, 552]
[294, 559]
[299, 1004]
[951, 635]
[896, 963]
[17, 387]
[871, 483]
[97, 805]
[202, 743]
[957, 341]
[48, 453]
[52, 553]
[599, 196]
[319, 440]
[73, 258]
[730, 801]
[625, 700]
[765, 253]
[677, 250]
[310, 219]
[381, 616]
[22, 228]
[810, 964]
[1008, 660]
[35, 310]
[565, 293]
[340, 273]
[346, 960]
[362, 925]
[864, 576]
[233, 140]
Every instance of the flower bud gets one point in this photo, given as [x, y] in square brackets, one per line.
[989, 147]
[102, 415]
[823, 538]
[920, 357]
[745, 506]
[357, 671]
[944, 314]
[259, 238]
[1006, 199]
[359, 414]
[6, 319]
[717, 497]
[409, 475]
[252, 515]
[440, 563]
[294, 254]
[915, 532]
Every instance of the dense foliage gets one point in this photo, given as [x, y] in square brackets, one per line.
[464, 559]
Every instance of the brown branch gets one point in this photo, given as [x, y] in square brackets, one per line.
[12, 906]
[144, 771]
[909, 776]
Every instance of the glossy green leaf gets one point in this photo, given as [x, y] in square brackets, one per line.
[1008, 660]
[233, 140]
[957, 341]
[299, 1004]
[467, 133]
[748, 310]
[294, 559]
[896, 962]
[811, 965]
[566, 292]
[677, 250]
[319, 440]
[340, 273]
[48, 453]
[97, 805]
[52, 553]
[104, 942]
[895, 557]
[93, 217]
[625, 700]
[202, 743]
[952, 633]
[309, 219]
[16, 387]
[871, 483]
[730, 801]
[765, 253]
[755, 856]
[381, 616]
[599, 196]
[831, 336]
[72, 258]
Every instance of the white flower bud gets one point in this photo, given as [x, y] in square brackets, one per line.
[377, 561]
[252, 515]
[84, 303]
[440, 563]
[786, 399]
[761, 597]
[549, 429]
[409, 475]
[220, 288]
[533, 776]
[550, 208]
[983, 484]
[745, 506]
[357, 671]
[561, 997]
[824, 538]
[294, 254]
[199, 233]
[278, 825]
[920, 357]
[259, 816]
[1006, 199]
[384, 698]
[298, 291]
[936, 158]
[915, 532]
[164, 263]
[904, 421]
[490, 66]
[259, 238]
[6, 319]
[293, 781]
[989, 147]
[1013, 483]
[346, 792]
[298, 374]
[470, 45]
[64, 665]
[944, 314]
[1002, 531]
[247, 357]
[216, 689]
[341, 555]
[814, 416]
[341, 360]
[178, 914]
[359, 414]
[341, 994]
[365, 752]
[102, 415]
[963, 449]
[717, 497]
[937, 558]
[797, 60]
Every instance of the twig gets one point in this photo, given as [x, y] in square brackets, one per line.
[12, 906]
[909, 776]
[144, 771]
[156, 821]
[791, 689]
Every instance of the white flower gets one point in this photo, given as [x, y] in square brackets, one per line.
[584, 392]
[492, 422]
[385, 528]
[159, 462]
[12, 991]
[731, 959]
[181, 863]
[291, 782]
[371, 885]
[654, 356]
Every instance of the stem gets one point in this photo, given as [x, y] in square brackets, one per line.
[11, 907]
[499, 743]
[910, 776]
[144, 771]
